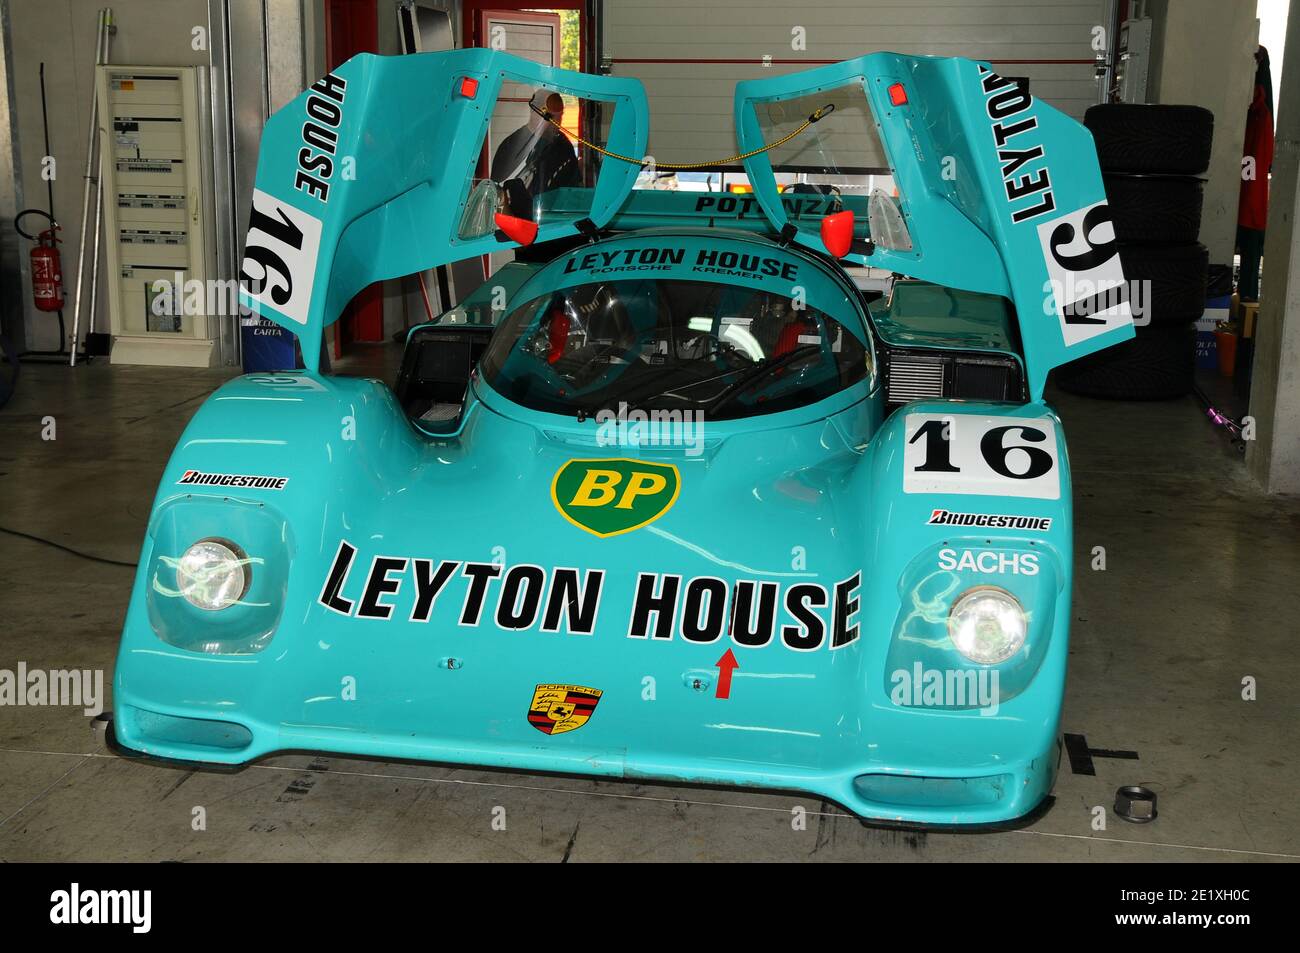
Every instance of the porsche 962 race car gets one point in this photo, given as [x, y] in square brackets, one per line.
[670, 496]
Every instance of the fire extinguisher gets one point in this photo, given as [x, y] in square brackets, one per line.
[47, 271]
[47, 268]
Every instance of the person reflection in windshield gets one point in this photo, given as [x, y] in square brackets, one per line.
[536, 157]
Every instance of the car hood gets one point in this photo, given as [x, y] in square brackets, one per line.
[748, 502]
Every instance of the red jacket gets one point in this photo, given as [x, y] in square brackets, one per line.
[1252, 210]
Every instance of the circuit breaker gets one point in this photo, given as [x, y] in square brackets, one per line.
[162, 307]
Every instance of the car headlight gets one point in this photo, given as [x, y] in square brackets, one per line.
[987, 625]
[213, 574]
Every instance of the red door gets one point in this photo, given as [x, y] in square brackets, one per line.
[352, 27]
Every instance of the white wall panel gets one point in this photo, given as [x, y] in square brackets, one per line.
[690, 56]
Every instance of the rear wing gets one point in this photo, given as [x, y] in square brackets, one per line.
[651, 208]
[368, 173]
[999, 192]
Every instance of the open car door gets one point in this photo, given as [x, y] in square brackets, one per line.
[996, 191]
[380, 169]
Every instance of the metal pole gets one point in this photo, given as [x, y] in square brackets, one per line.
[1107, 59]
[85, 197]
[94, 261]
[222, 151]
[101, 58]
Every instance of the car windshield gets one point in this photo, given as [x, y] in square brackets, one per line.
[726, 350]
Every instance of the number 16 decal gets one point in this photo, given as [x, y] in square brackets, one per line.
[1086, 286]
[993, 456]
[279, 266]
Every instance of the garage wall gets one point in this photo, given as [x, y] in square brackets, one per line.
[1203, 52]
[690, 55]
[13, 250]
[62, 34]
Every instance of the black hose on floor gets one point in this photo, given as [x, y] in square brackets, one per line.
[67, 549]
[8, 383]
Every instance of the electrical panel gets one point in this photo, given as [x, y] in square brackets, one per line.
[162, 306]
[1134, 60]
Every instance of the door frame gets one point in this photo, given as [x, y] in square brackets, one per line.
[471, 19]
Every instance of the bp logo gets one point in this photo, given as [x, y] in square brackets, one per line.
[608, 497]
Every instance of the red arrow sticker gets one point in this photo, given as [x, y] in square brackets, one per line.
[726, 665]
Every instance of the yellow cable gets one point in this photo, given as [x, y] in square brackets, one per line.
[816, 115]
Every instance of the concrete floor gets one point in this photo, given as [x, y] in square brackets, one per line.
[1199, 592]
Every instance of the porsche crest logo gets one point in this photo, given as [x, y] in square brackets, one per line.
[613, 496]
[560, 708]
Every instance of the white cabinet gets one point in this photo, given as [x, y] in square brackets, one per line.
[162, 306]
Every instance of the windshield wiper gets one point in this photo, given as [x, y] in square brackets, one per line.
[749, 377]
[653, 399]
[758, 373]
[673, 393]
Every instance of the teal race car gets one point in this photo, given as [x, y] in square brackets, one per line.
[677, 494]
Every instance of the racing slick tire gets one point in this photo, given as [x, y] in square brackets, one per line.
[1177, 276]
[1133, 137]
[1158, 364]
[1155, 208]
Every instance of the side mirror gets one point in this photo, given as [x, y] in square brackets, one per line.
[480, 209]
[436, 368]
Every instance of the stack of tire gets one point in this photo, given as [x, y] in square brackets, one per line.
[1151, 158]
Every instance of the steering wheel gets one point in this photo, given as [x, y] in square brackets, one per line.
[578, 370]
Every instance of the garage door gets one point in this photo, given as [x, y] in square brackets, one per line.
[533, 36]
[691, 55]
